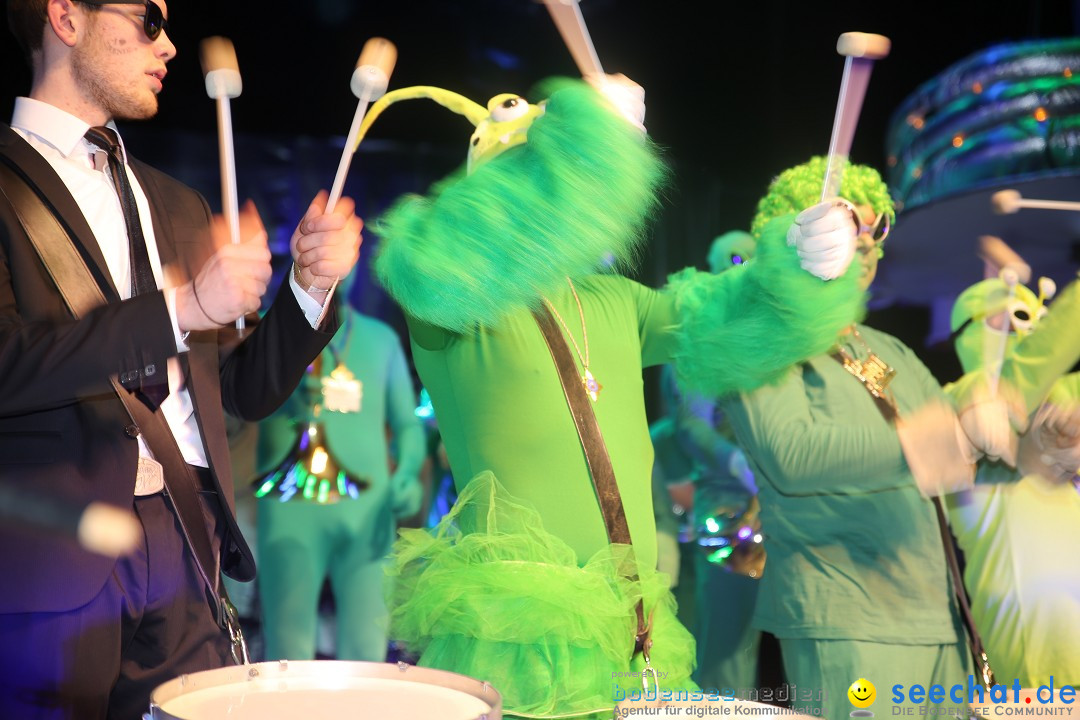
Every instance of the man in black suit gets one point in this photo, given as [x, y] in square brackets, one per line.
[81, 393]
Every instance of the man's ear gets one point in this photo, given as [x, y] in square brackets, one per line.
[65, 21]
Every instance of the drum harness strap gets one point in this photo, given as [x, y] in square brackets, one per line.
[886, 404]
[600, 469]
[82, 294]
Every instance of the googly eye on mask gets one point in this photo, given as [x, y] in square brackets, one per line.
[1022, 318]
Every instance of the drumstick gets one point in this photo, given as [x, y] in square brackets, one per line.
[369, 82]
[860, 50]
[1010, 277]
[1007, 202]
[218, 58]
[998, 255]
[571, 25]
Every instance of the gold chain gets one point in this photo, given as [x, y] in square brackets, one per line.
[874, 373]
[592, 387]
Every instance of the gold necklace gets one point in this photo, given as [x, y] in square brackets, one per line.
[592, 387]
[874, 373]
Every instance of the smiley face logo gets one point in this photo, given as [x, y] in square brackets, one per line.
[862, 693]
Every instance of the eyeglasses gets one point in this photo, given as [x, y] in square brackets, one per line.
[877, 230]
[154, 23]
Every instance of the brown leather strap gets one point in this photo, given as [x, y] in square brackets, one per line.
[596, 453]
[81, 294]
[948, 542]
[978, 650]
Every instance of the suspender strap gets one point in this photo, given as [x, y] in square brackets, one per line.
[81, 294]
[596, 454]
[978, 651]
[948, 542]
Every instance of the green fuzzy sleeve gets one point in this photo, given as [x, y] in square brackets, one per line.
[745, 327]
[479, 246]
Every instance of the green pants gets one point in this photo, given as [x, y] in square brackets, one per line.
[302, 544]
[727, 645]
[823, 670]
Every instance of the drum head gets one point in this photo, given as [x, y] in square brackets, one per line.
[324, 690]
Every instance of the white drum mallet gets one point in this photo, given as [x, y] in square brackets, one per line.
[223, 83]
[369, 82]
[997, 255]
[571, 25]
[1007, 202]
[995, 355]
[860, 50]
[627, 96]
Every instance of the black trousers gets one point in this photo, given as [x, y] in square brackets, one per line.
[151, 622]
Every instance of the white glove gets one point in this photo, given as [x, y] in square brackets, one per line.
[626, 95]
[987, 427]
[825, 237]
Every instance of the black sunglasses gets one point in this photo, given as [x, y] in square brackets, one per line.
[154, 23]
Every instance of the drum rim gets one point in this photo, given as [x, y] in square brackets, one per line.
[275, 669]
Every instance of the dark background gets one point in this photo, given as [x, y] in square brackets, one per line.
[736, 92]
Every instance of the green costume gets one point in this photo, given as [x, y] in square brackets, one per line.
[856, 584]
[302, 542]
[854, 549]
[519, 585]
[1025, 595]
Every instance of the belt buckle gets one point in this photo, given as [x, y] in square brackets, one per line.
[150, 477]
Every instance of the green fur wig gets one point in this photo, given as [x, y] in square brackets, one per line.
[492, 242]
[799, 187]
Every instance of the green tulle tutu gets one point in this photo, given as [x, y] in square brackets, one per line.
[489, 594]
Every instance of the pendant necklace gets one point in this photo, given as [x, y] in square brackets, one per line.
[592, 387]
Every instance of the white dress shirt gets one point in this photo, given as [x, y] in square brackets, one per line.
[59, 137]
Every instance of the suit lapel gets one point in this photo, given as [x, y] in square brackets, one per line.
[44, 180]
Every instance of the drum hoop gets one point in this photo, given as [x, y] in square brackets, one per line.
[284, 669]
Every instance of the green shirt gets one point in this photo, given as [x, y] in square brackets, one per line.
[854, 549]
[501, 407]
[1018, 534]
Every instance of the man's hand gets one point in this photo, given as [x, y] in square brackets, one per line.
[232, 282]
[824, 237]
[1051, 447]
[987, 427]
[990, 418]
[325, 246]
[936, 449]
